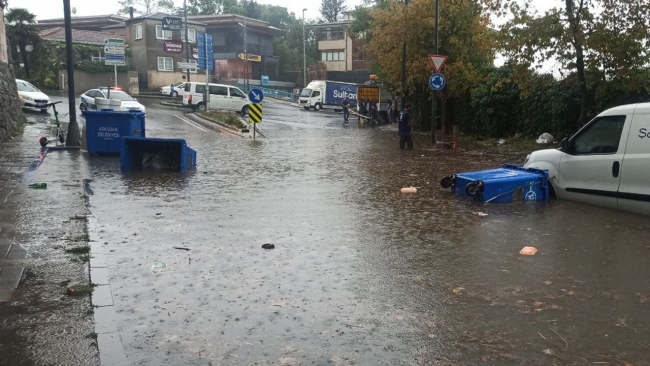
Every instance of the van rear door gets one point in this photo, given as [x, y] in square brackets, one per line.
[590, 171]
[634, 192]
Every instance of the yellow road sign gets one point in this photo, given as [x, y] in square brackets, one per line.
[255, 113]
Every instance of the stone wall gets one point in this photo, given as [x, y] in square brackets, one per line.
[11, 115]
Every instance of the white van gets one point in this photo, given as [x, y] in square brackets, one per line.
[606, 163]
[222, 97]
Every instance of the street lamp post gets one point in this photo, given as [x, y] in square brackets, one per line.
[434, 95]
[406, 2]
[187, 40]
[304, 54]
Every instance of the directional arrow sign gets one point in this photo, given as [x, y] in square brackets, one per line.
[114, 50]
[113, 42]
[256, 95]
[438, 62]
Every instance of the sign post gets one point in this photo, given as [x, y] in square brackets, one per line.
[256, 96]
[115, 55]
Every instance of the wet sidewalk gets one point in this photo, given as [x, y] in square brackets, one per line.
[40, 232]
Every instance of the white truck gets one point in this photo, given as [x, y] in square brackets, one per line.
[321, 94]
[605, 163]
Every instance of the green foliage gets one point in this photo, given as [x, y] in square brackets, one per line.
[21, 31]
[45, 68]
[97, 67]
[332, 9]
[145, 6]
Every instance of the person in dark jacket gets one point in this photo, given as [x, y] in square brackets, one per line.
[404, 129]
[346, 110]
[363, 109]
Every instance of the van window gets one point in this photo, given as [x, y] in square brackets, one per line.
[602, 137]
[316, 93]
[188, 87]
[200, 89]
[234, 92]
[218, 90]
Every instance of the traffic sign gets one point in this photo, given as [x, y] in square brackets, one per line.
[206, 54]
[437, 82]
[186, 65]
[438, 62]
[265, 80]
[255, 95]
[255, 113]
[113, 42]
[114, 60]
[114, 50]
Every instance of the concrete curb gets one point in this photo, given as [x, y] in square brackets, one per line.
[215, 125]
[169, 104]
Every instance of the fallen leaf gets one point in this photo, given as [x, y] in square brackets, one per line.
[433, 336]
[458, 290]
[571, 293]
[548, 282]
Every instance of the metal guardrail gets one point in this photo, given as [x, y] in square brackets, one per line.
[272, 93]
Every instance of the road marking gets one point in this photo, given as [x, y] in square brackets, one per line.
[191, 123]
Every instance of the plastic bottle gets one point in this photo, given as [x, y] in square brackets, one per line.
[38, 186]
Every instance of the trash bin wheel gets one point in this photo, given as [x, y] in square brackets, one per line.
[473, 188]
[448, 181]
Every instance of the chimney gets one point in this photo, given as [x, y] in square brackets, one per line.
[131, 12]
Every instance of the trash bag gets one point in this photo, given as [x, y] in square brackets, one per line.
[545, 138]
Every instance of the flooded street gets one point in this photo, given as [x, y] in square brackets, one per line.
[361, 274]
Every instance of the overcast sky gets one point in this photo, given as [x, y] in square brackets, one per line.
[48, 9]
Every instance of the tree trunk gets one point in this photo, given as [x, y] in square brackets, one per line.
[23, 54]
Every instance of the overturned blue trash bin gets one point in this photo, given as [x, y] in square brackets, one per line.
[140, 153]
[510, 183]
[105, 130]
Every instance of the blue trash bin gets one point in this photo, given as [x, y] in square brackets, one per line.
[105, 130]
[507, 184]
[139, 153]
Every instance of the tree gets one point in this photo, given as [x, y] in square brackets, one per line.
[209, 7]
[145, 6]
[277, 16]
[331, 9]
[21, 31]
[464, 36]
[586, 36]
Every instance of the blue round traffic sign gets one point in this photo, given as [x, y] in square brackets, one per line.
[255, 95]
[437, 82]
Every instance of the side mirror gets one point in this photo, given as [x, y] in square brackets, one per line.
[565, 145]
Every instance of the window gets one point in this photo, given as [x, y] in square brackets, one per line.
[218, 90]
[333, 56]
[138, 31]
[359, 55]
[200, 88]
[315, 94]
[330, 34]
[234, 92]
[163, 34]
[601, 137]
[165, 64]
[192, 35]
[194, 69]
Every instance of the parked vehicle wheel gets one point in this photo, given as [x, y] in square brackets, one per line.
[318, 107]
[83, 107]
[200, 107]
[448, 181]
[244, 110]
[174, 94]
[473, 188]
[306, 108]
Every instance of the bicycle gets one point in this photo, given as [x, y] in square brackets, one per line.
[60, 137]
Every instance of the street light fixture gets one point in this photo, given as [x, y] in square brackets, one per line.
[304, 55]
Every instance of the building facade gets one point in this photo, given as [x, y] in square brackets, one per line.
[338, 51]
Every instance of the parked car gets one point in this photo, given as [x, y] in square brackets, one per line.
[179, 89]
[31, 97]
[87, 99]
[605, 163]
[222, 97]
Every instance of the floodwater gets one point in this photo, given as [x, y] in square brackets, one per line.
[361, 274]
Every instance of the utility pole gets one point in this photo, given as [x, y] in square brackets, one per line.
[187, 40]
[73, 138]
[406, 2]
[304, 54]
[434, 95]
[248, 87]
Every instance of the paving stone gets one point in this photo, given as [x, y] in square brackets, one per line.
[99, 276]
[4, 249]
[5, 294]
[105, 320]
[102, 296]
[9, 282]
[111, 350]
[11, 272]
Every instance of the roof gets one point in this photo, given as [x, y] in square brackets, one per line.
[160, 16]
[79, 36]
[217, 21]
[95, 21]
[342, 23]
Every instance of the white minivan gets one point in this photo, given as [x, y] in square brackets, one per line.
[606, 163]
[222, 97]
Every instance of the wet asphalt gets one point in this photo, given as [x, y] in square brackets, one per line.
[361, 274]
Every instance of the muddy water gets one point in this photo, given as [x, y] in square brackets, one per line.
[361, 274]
